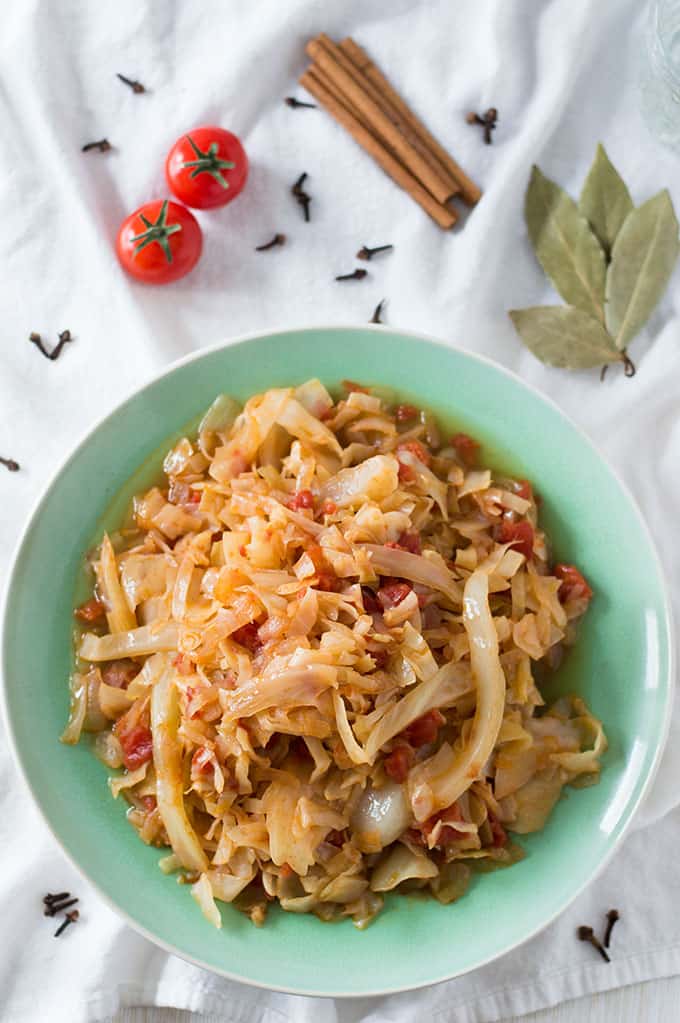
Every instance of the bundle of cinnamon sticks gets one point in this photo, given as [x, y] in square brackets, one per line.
[345, 81]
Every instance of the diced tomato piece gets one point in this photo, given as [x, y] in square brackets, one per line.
[201, 762]
[91, 611]
[419, 451]
[410, 541]
[352, 385]
[525, 490]
[404, 413]
[398, 763]
[120, 673]
[498, 832]
[392, 593]
[424, 729]
[137, 746]
[371, 603]
[519, 534]
[303, 499]
[183, 664]
[247, 636]
[573, 583]
[328, 508]
[195, 496]
[448, 817]
[328, 582]
[149, 803]
[467, 448]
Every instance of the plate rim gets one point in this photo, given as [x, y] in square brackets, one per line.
[242, 339]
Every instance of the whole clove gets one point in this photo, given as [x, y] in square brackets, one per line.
[278, 239]
[52, 908]
[56, 898]
[356, 275]
[135, 86]
[612, 916]
[64, 338]
[377, 312]
[587, 934]
[10, 463]
[366, 252]
[101, 145]
[70, 919]
[301, 197]
[291, 101]
[488, 120]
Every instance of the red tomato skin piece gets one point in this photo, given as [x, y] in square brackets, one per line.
[467, 448]
[520, 535]
[398, 763]
[424, 729]
[137, 747]
[574, 584]
[204, 191]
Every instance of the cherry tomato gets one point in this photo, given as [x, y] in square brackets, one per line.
[207, 167]
[160, 242]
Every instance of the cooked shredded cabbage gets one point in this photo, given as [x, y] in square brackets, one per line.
[316, 668]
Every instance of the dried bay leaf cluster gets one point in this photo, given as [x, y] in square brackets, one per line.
[611, 261]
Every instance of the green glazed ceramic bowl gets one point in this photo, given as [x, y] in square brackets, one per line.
[621, 665]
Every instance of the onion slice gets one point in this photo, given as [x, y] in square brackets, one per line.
[167, 758]
[441, 780]
[394, 562]
[147, 639]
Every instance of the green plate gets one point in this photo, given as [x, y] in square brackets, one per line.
[621, 665]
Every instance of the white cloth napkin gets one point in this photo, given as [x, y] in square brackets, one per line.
[563, 74]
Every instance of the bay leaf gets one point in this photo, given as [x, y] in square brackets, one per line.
[564, 336]
[605, 201]
[564, 244]
[643, 258]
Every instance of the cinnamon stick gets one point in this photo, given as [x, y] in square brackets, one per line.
[379, 122]
[381, 100]
[469, 191]
[336, 106]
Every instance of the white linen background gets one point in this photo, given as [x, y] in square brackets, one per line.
[563, 75]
